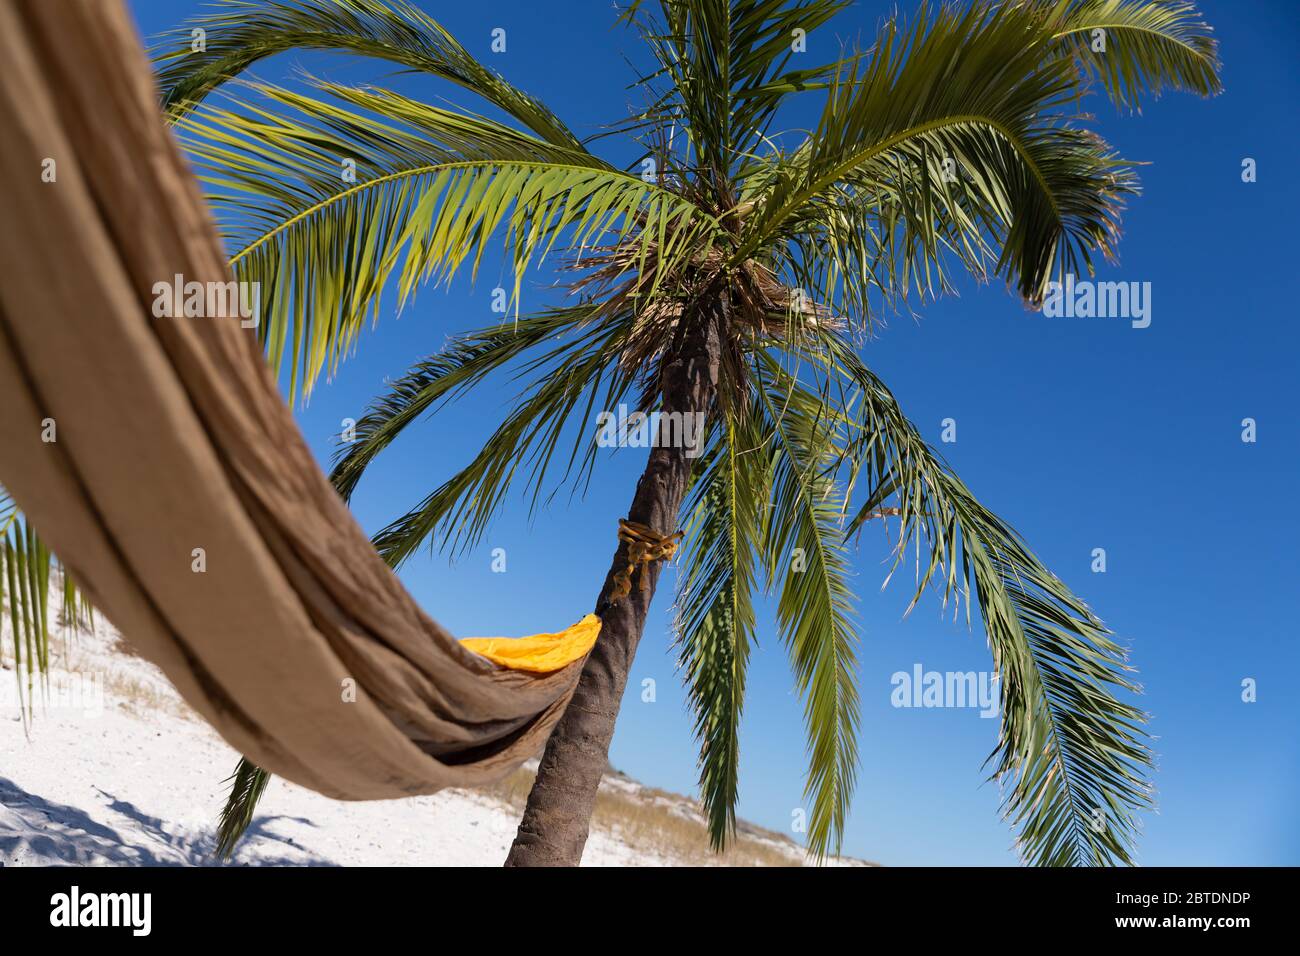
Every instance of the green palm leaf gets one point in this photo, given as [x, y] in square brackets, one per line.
[565, 386]
[247, 784]
[462, 364]
[428, 195]
[24, 581]
[806, 559]
[715, 611]
[1074, 757]
[26, 565]
[1148, 47]
[970, 95]
[726, 65]
[240, 33]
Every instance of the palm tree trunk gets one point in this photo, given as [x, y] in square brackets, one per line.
[553, 830]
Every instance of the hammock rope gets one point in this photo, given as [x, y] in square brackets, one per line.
[644, 546]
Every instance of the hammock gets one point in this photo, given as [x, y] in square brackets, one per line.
[178, 490]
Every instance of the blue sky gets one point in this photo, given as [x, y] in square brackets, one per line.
[1081, 433]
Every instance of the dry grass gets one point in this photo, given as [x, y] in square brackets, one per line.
[658, 823]
[141, 699]
[123, 690]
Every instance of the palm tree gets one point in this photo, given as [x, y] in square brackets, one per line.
[733, 283]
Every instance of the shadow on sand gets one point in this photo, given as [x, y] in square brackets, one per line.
[35, 831]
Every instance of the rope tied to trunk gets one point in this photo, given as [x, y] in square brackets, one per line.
[644, 545]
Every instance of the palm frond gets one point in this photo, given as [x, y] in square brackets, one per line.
[25, 563]
[240, 33]
[1149, 46]
[247, 784]
[726, 64]
[429, 384]
[427, 197]
[1072, 755]
[954, 128]
[806, 559]
[26, 566]
[77, 612]
[715, 610]
[25, 582]
[565, 386]
[763, 36]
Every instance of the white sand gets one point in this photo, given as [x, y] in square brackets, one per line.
[139, 779]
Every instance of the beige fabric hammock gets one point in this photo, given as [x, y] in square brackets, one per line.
[171, 436]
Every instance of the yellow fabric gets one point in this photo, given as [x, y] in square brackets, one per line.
[540, 653]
